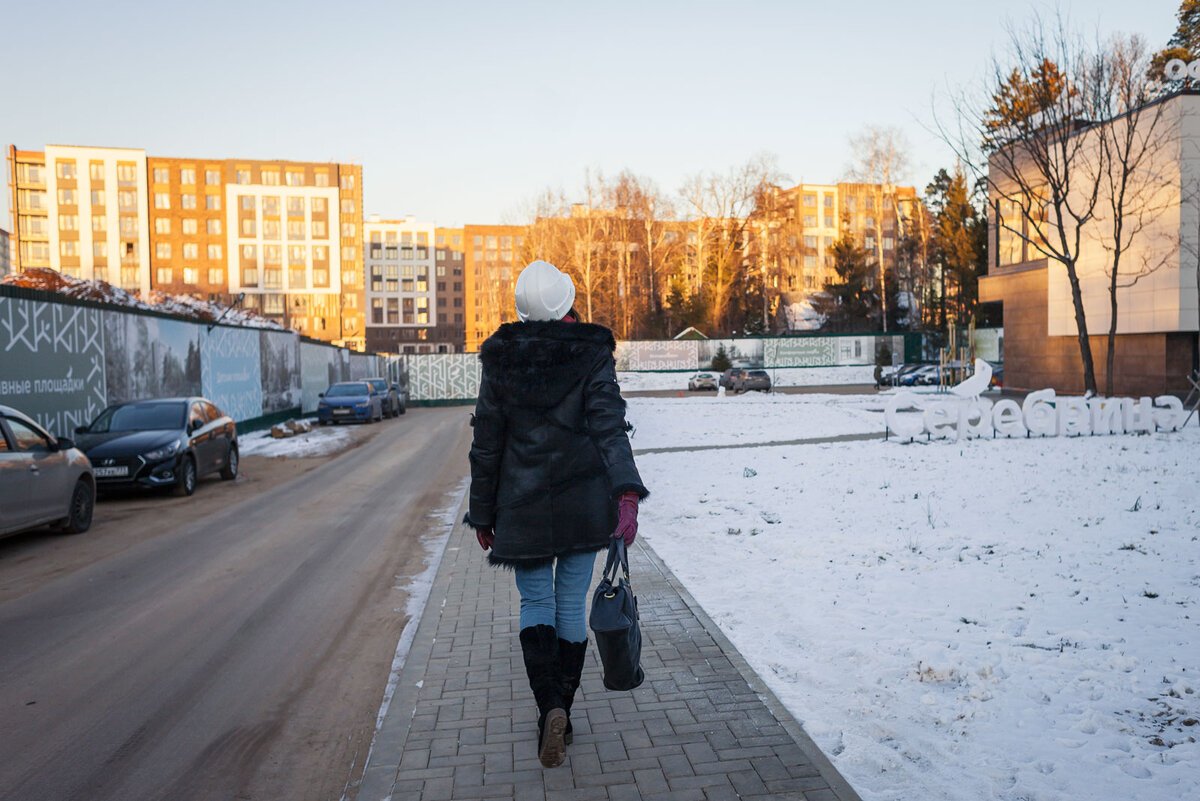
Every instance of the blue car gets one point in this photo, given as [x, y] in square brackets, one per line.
[349, 400]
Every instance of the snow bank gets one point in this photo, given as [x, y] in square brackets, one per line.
[321, 441]
[999, 619]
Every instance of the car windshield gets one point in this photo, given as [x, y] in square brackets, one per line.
[140, 417]
[347, 390]
[759, 373]
[378, 384]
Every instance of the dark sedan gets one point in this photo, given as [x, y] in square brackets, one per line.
[349, 400]
[165, 442]
[393, 400]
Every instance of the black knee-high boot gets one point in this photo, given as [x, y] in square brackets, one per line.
[570, 661]
[539, 645]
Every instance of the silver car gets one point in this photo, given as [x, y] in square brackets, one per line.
[43, 479]
[702, 381]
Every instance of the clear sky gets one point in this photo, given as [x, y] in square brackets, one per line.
[463, 112]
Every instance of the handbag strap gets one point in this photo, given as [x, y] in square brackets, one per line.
[617, 558]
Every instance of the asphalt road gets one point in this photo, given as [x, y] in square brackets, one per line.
[236, 644]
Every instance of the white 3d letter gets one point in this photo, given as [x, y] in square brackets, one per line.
[1168, 412]
[895, 422]
[939, 420]
[1073, 418]
[1039, 414]
[1006, 418]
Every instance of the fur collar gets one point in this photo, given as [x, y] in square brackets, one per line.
[536, 363]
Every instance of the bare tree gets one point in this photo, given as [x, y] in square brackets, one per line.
[879, 157]
[1138, 156]
[1043, 176]
[721, 205]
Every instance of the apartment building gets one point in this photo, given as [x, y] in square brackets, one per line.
[401, 301]
[5, 256]
[492, 264]
[450, 260]
[29, 242]
[82, 211]
[286, 234]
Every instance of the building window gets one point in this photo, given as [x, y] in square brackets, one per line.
[270, 177]
[348, 230]
[162, 250]
[96, 170]
[187, 176]
[270, 229]
[248, 226]
[127, 201]
[320, 178]
[810, 200]
[295, 206]
[295, 229]
[191, 250]
[318, 229]
[216, 275]
[216, 252]
[869, 222]
[246, 202]
[162, 275]
[162, 200]
[271, 205]
[888, 243]
[189, 225]
[97, 197]
[347, 182]
[66, 197]
[272, 304]
[161, 175]
[187, 201]
[243, 177]
[810, 260]
[810, 241]
[162, 225]
[212, 202]
[191, 275]
[810, 221]
[829, 221]
[68, 222]
[1008, 234]
[347, 205]
[99, 223]
[66, 169]
[273, 278]
[100, 249]
[349, 253]
[249, 252]
[213, 226]
[318, 205]
[294, 178]
[212, 177]
[249, 276]
[68, 247]
[869, 242]
[320, 253]
[272, 254]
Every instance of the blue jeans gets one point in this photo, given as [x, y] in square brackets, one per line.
[555, 594]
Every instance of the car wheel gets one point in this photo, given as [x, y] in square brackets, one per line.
[187, 478]
[230, 470]
[79, 514]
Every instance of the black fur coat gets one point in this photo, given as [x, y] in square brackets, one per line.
[550, 456]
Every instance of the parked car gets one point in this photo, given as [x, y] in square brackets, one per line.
[390, 396]
[896, 376]
[349, 400]
[43, 479]
[702, 381]
[743, 380]
[161, 443]
[918, 376]
[726, 379]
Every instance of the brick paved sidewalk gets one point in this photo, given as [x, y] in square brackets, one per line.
[462, 723]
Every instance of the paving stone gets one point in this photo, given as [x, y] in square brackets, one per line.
[696, 730]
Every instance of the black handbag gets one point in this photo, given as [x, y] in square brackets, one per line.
[614, 621]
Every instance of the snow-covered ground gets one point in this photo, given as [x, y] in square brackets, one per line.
[780, 377]
[318, 442]
[711, 419]
[990, 619]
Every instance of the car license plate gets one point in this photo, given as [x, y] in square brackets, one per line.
[341, 411]
[110, 472]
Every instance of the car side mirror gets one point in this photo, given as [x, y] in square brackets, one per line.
[396, 387]
[194, 426]
[64, 444]
[320, 394]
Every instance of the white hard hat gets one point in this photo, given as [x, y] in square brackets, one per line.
[543, 292]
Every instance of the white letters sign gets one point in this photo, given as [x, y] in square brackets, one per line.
[1041, 414]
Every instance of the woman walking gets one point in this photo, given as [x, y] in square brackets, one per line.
[552, 479]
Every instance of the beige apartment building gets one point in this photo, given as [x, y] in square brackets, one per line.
[287, 235]
[400, 269]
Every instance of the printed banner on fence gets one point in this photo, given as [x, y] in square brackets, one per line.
[52, 362]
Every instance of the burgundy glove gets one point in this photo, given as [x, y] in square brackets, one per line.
[486, 537]
[627, 517]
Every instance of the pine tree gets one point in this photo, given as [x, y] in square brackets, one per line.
[721, 362]
[849, 303]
